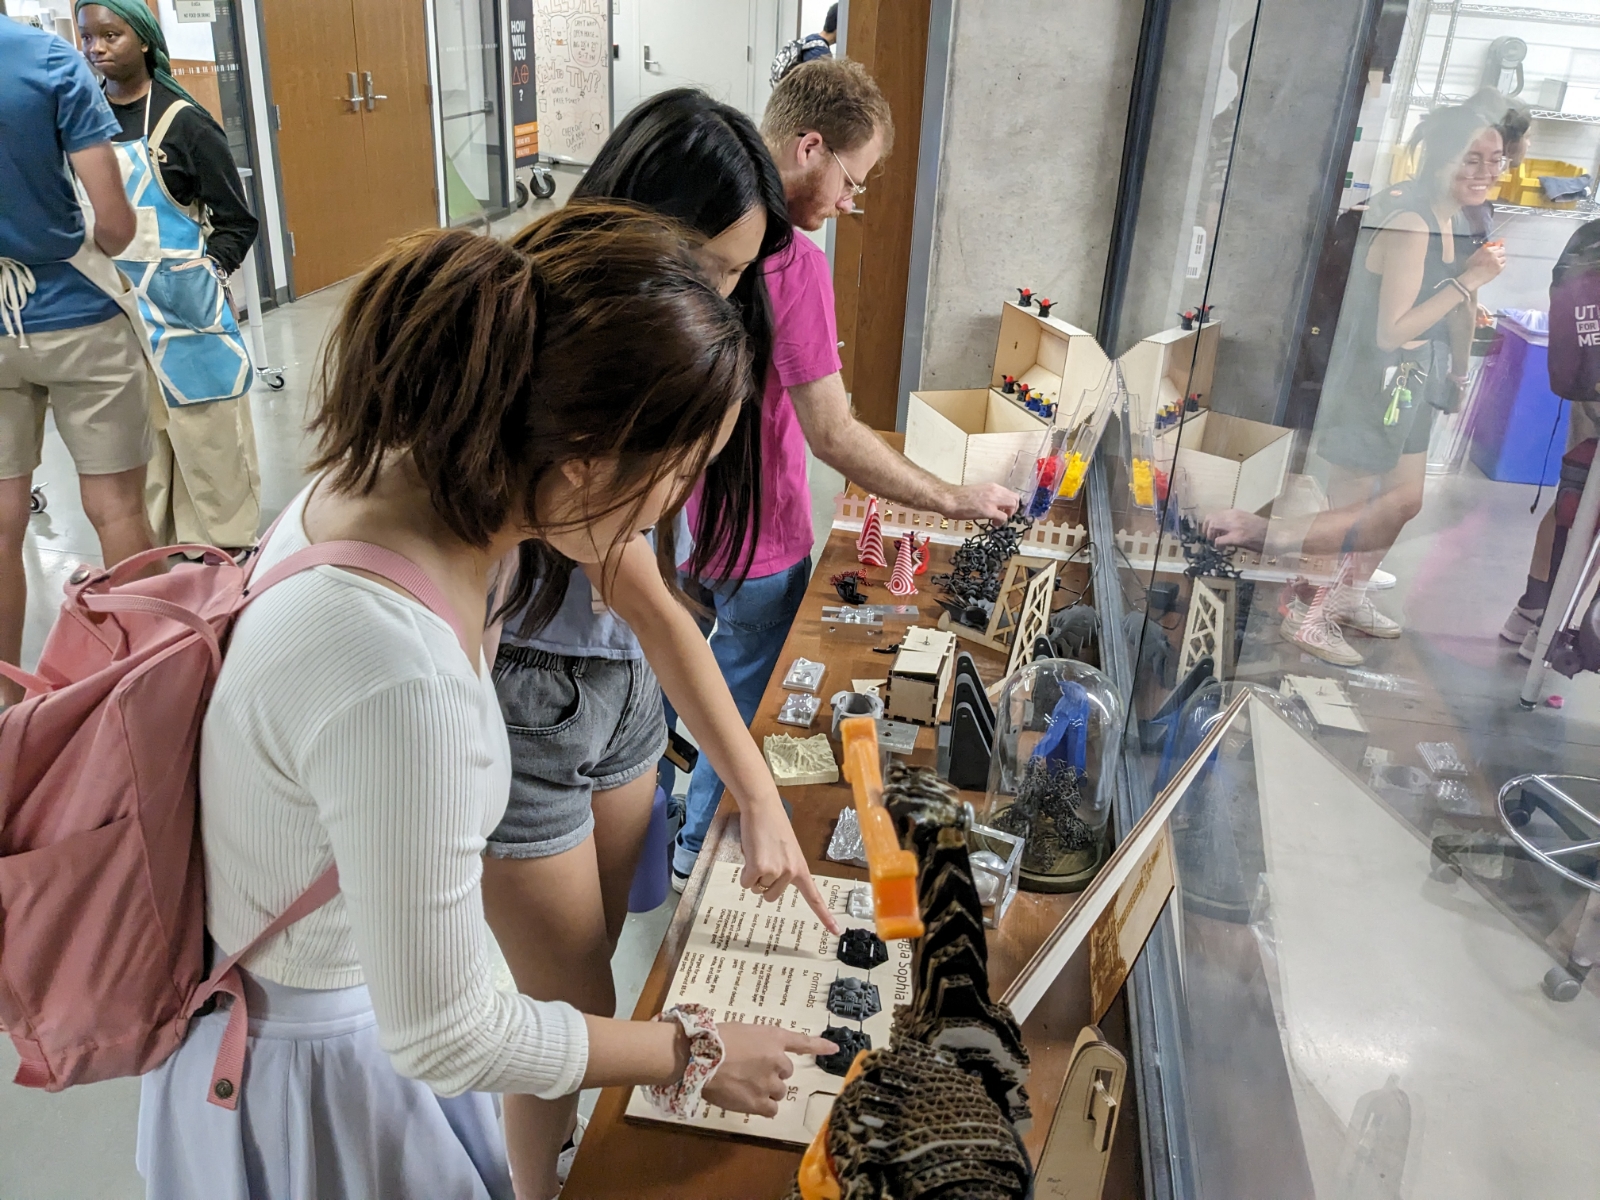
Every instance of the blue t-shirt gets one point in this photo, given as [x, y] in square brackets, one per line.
[577, 630]
[50, 107]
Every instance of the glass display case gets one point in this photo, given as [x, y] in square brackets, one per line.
[1053, 772]
[1372, 514]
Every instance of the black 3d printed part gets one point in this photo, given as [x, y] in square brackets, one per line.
[853, 999]
[862, 949]
[850, 1043]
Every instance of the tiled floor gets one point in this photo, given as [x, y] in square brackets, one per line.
[79, 1144]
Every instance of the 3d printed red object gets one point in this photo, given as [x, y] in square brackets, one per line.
[869, 546]
[905, 566]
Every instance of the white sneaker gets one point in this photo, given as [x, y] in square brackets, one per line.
[1381, 581]
[1351, 607]
[569, 1152]
[679, 882]
[1312, 629]
[1520, 623]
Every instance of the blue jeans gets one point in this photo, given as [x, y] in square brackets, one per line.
[752, 620]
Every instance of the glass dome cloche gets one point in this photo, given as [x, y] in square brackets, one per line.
[1057, 728]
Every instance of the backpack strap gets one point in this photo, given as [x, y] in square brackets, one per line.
[375, 560]
[227, 1074]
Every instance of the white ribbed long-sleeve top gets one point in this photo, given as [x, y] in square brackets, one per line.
[347, 726]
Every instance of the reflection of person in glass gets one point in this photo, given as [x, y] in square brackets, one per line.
[1399, 354]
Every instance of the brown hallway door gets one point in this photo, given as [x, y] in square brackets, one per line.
[355, 135]
[872, 248]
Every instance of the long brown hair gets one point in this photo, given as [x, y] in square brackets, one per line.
[591, 336]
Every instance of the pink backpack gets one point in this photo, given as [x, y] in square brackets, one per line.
[102, 887]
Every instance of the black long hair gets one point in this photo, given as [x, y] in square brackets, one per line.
[688, 156]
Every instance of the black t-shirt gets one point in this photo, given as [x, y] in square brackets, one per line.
[198, 168]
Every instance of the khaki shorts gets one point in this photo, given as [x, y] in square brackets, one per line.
[1583, 422]
[95, 378]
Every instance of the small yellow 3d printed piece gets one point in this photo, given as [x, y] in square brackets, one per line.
[1144, 483]
[1072, 476]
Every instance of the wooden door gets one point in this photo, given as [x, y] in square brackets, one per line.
[353, 178]
[392, 47]
[311, 49]
[872, 249]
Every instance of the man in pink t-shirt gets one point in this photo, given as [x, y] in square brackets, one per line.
[827, 125]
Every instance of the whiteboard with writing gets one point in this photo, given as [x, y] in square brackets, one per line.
[572, 68]
[772, 963]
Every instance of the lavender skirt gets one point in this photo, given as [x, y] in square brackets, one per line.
[322, 1113]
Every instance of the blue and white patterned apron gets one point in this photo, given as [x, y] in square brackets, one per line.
[195, 344]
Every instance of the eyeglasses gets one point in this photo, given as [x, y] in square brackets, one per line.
[856, 189]
[1476, 164]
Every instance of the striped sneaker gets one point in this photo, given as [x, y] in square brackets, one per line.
[1313, 629]
[1352, 607]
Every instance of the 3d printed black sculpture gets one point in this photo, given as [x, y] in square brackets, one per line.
[850, 1042]
[853, 999]
[937, 1112]
[862, 949]
[973, 583]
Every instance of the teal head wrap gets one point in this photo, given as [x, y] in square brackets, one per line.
[148, 30]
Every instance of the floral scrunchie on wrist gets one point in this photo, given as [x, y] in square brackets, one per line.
[705, 1056]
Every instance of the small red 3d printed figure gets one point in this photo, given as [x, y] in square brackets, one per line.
[869, 546]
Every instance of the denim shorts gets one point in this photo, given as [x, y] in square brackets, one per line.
[577, 726]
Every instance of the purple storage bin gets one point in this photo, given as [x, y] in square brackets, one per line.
[650, 876]
[1515, 408]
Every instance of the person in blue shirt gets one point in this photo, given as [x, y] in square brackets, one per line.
[68, 342]
[805, 49]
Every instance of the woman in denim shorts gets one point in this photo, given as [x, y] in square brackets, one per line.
[581, 700]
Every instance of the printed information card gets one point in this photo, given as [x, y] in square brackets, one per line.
[773, 963]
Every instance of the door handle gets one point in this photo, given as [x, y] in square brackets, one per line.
[372, 99]
[650, 64]
[354, 98]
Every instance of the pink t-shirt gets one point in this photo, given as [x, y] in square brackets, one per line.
[805, 348]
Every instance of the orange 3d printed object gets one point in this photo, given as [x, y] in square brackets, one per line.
[892, 870]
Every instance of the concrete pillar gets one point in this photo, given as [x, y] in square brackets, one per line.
[1289, 132]
[1036, 103]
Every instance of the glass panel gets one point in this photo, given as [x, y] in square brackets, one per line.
[1361, 1022]
[469, 91]
[1379, 982]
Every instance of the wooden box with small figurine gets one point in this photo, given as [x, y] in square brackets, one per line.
[1041, 361]
[1165, 369]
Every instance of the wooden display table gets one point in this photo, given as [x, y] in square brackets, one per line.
[624, 1159]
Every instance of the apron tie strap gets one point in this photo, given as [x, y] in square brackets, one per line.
[16, 285]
